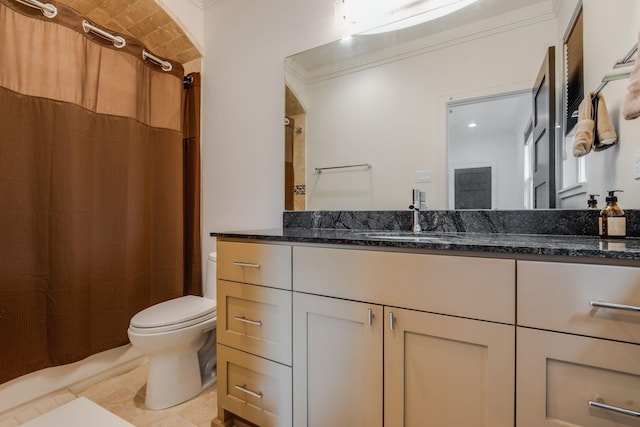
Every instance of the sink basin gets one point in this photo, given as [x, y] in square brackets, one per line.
[405, 236]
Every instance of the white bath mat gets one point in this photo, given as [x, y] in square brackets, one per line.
[80, 412]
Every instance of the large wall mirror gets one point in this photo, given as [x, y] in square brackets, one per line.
[450, 102]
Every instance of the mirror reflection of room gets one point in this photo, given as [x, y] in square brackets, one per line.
[489, 141]
[384, 99]
[295, 177]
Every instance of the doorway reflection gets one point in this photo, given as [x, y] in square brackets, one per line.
[486, 152]
[295, 149]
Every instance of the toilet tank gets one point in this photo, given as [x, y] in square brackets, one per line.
[209, 289]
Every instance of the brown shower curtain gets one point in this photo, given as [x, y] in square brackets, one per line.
[91, 189]
[191, 152]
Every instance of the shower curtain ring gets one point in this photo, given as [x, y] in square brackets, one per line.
[47, 9]
[118, 41]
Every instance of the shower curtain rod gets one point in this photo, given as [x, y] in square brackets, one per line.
[118, 41]
[47, 9]
[166, 65]
[50, 11]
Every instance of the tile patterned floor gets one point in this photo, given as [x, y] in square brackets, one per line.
[124, 396]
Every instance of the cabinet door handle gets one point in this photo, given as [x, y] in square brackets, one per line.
[246, 264]
[243, 388]
[370, 317]
[392, 321]
[614, 306]
[614, 409]
[249, 321]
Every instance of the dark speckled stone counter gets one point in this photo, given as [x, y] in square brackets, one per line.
[501, 233]
[552, 221]
[496, 243]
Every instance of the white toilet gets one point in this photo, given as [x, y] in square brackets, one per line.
[179, 338]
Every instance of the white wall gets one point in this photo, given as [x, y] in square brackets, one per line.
[243, 105]
[618, 24]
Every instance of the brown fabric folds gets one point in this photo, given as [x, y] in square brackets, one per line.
[191, 152]
[43, 58]
[91, 193]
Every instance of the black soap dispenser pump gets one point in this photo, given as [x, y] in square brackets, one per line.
[612, 222]
[592, 203]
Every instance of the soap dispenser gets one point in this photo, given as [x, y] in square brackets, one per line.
[592, 203]
[612, 222]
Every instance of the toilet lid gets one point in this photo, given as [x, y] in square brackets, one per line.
[175, 312]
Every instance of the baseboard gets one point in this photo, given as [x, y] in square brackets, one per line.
[75, 377]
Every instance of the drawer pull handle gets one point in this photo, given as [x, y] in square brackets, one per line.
[249, 321]
[614, 306]
[243, 388]
[614, 409]
[246, 264]
[392, 321]
[370, 317]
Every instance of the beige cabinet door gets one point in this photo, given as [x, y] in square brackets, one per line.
[447, 371]
[337, 362]
[569, 380]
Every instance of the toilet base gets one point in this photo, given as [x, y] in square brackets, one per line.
[174, 379]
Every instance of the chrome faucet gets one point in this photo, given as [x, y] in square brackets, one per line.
[415, 208]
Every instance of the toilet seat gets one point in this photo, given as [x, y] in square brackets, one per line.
[174, 314]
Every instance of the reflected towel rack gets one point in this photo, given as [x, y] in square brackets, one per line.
[361, 165]
[617, 75]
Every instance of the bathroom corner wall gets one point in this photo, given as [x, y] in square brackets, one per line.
[243, 105]
[618, 31]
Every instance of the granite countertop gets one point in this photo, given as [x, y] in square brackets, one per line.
[496, 243]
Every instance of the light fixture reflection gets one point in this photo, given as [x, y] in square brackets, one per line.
[390, 15]
[472, 125]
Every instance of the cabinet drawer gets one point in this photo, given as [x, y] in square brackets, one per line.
[558, 375]
[255, 319]
[478, 288]
[255, 263]
[557, 296]
[253, 388]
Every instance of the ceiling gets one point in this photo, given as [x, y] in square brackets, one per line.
[357, 50]
[503, 115]
[144, 20]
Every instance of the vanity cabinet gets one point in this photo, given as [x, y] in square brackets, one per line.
[313, 335]
[254, 334]
[362, 323]
[578, 352]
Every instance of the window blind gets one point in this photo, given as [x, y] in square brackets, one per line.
[574, 68]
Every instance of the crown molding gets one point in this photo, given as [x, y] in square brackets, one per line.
[203, 4]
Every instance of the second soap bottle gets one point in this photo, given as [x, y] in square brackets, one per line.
[612, 222]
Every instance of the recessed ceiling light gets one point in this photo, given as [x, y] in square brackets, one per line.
[472, 125]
